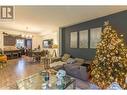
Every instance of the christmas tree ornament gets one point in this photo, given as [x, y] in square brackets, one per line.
[119, 57]
[121, 35]
[111, 46]
[116, 51]
[108, 55]
[122, 44]
[114, 86]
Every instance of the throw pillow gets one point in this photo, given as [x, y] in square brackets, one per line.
[79, 60]
[71, 61]
[65, 57]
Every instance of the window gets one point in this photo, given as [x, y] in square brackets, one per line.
[20, 43]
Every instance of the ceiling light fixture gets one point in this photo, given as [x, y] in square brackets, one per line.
[26, 35]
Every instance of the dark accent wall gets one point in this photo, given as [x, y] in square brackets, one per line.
[117, 20]
[9, 40]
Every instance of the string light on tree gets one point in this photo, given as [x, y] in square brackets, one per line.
[110, 62]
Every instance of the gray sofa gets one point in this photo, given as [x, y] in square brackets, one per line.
[77, 71]
[73, 67]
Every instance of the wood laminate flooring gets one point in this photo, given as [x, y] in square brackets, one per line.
[17, 69]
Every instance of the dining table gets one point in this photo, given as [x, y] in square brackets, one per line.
[36, 55]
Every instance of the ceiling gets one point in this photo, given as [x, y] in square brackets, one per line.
[47, 19]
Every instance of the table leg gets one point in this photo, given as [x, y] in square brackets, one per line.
[1, 65]
[74, 84]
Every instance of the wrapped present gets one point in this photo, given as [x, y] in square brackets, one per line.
[114, 86]
[93, 86]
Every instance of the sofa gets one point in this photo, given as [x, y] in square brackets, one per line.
[77, 69]
[73, 67]
[79, 72]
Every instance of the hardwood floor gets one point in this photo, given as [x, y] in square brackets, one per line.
[17, 69]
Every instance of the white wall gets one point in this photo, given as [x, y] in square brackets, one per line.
[1, 40]
[36, 40]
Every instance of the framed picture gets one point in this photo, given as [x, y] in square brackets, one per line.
[73, 39]
[83, 39]
[95, 36]
[47, 43]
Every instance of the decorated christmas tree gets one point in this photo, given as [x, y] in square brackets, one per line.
[110, 62]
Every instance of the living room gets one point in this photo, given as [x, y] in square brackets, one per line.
[60, 47]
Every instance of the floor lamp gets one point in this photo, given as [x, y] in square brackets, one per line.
[54, 53]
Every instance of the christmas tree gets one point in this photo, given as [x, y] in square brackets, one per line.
[110, 62]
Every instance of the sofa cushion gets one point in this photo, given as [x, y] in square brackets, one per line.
[79, 60]
[71, 66]
[59, 63]
[73, 71]
[76, 71]
[84, 73]
[71, 61]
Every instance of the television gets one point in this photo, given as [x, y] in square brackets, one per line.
[47, 43]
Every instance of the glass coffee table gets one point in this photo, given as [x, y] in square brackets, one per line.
[36, 81]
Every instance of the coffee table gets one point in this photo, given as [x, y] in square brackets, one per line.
[36, 81]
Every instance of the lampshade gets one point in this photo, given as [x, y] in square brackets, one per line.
[55, 46]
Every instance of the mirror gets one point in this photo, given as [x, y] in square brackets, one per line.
[95, 36]
[73, 40]
[83, 39]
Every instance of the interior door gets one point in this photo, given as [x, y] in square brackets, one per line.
[29, 43]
